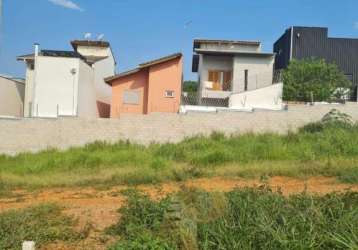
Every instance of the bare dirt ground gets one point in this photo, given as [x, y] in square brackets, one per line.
[97, 209]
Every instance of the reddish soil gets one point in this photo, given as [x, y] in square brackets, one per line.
[98, 208]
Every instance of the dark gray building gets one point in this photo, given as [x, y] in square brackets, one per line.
[306, 42]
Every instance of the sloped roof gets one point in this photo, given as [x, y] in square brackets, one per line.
[15, 79]
[108, 80]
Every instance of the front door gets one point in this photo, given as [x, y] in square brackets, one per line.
[214, 77]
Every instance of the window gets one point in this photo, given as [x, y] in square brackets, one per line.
[246, 79]
[221, 80]
[131, 97]
[349, 77]
[169, 93]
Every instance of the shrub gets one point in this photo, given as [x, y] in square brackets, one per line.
[190, 86]
[333, 119]
[304, 79]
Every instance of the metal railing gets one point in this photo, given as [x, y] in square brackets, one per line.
[193, 99]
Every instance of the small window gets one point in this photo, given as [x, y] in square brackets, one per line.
[131, 97]
[169, 93]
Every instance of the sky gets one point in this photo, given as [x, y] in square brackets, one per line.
[142, 30]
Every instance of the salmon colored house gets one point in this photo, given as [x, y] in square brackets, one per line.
[153, 86]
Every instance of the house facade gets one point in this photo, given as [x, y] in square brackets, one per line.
[153, 86]
[69, 83]
[230, 67]
[313, 42]
[12, 91]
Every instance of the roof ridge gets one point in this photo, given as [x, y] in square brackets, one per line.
[143, 66]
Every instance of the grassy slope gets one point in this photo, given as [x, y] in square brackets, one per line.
[330, 152]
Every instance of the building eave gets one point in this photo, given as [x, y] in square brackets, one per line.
[110, 79]
[90, 43]
[233, 53]
[141, 66]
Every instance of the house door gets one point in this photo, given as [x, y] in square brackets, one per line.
[214, 77]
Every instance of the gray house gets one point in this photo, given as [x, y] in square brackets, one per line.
[230, 67]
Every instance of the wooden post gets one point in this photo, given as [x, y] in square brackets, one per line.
[28, 245]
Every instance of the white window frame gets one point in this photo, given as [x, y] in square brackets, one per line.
[167, 95]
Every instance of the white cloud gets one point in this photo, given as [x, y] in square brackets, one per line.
[66, 4]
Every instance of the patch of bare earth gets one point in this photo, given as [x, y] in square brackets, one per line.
[97, 209]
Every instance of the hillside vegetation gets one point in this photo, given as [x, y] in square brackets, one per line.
[327, 148]
[241, 219]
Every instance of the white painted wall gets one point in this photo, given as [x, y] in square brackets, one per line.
[56, 88]
[11, 97]
[29, 84]
[94, 51]
[264, 98]
[260, 72]
[87, 106]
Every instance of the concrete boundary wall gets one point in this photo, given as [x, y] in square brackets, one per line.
[23, 135]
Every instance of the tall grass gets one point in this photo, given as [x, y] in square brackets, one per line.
[241, 219]
[43, 224]
[325, 150]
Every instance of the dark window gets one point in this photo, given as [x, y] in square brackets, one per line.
[246, 79]
[349, 77]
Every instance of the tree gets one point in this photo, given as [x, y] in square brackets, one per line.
[190, 86]
[314, 78]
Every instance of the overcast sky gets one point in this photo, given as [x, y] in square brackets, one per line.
[141, 30]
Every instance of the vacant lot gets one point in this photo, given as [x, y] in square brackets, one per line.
[294, 191]
[79, 218]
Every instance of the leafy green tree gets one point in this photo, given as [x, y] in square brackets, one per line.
[190, 86]
[315, 79]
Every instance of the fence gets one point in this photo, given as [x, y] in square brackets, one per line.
[38, 134]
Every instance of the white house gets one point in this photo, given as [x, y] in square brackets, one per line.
[69, 83]
[12, 91]
[233, 72]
